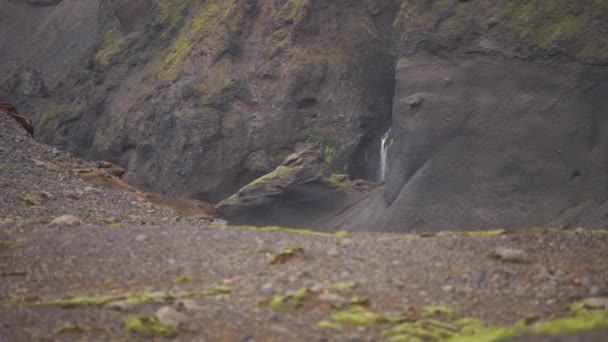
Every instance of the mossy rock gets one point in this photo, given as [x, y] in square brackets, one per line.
[148, 325]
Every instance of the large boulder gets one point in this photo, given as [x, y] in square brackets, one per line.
[302, 193]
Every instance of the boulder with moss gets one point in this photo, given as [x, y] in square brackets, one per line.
[301, 192]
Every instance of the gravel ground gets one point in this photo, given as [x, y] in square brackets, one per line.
[126, 246]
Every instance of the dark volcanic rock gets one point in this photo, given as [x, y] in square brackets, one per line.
[183, 106]
[302, 192]
[482, 143]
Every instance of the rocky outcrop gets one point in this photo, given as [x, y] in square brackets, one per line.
[24, 121]
[483, 143]
[301, 192]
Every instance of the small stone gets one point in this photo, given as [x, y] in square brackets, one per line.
[510, 255]
[267, 287]
[189, 305]
[594, 291]
[415, 102]
[333, 299]
[168, 315]
[447, 288]
[46, 165]
[141, 238]
[66, 220]
[333, 251]
[119, 305]
[373, 10]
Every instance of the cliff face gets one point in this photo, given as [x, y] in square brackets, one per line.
[199, 98]
[498, 107]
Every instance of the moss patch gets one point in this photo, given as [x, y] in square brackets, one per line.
[208, 18]
[437, 311]
[12, 244]
[291, 300]
[108, 222]
[214, 291]
[296, 231]
[328, 325]
[111, 45]
[361, 316]
[148, 325]
[280, 171]
[135, 298]
[32, 199]
[288, 254]
[575, 27]
[183, 279]
[340, 181]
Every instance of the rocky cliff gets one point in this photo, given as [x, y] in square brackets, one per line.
[498, 109]
[199, 98]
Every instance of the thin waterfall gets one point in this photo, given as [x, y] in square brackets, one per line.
[383, 154]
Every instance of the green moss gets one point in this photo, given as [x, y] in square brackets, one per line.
[109, 222]
[183, 279]
[208, 18]
[7, 231]
[138, 219]
[437, 310]
[340, 181]
[12, 244]
[171, 13]
[286, 16]
[328, 325]
[478, 233]
[286, 254]
[4, 167]
[358, 315]
[561, 326]
[52, 115]
[422, 330]
[296, 231]
[280, 171]
[111, 45]
[573, 24]
[470, 326]
[79, 301]
[32, 199]
[214, 291]
[148, 325]
[358, 301]
[134, 298]
[219, 88]
[290, 11]
[343, 234]
[293, 300]
[342, 286]
[570, 325]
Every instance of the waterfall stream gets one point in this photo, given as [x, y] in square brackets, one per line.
[383, 154]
